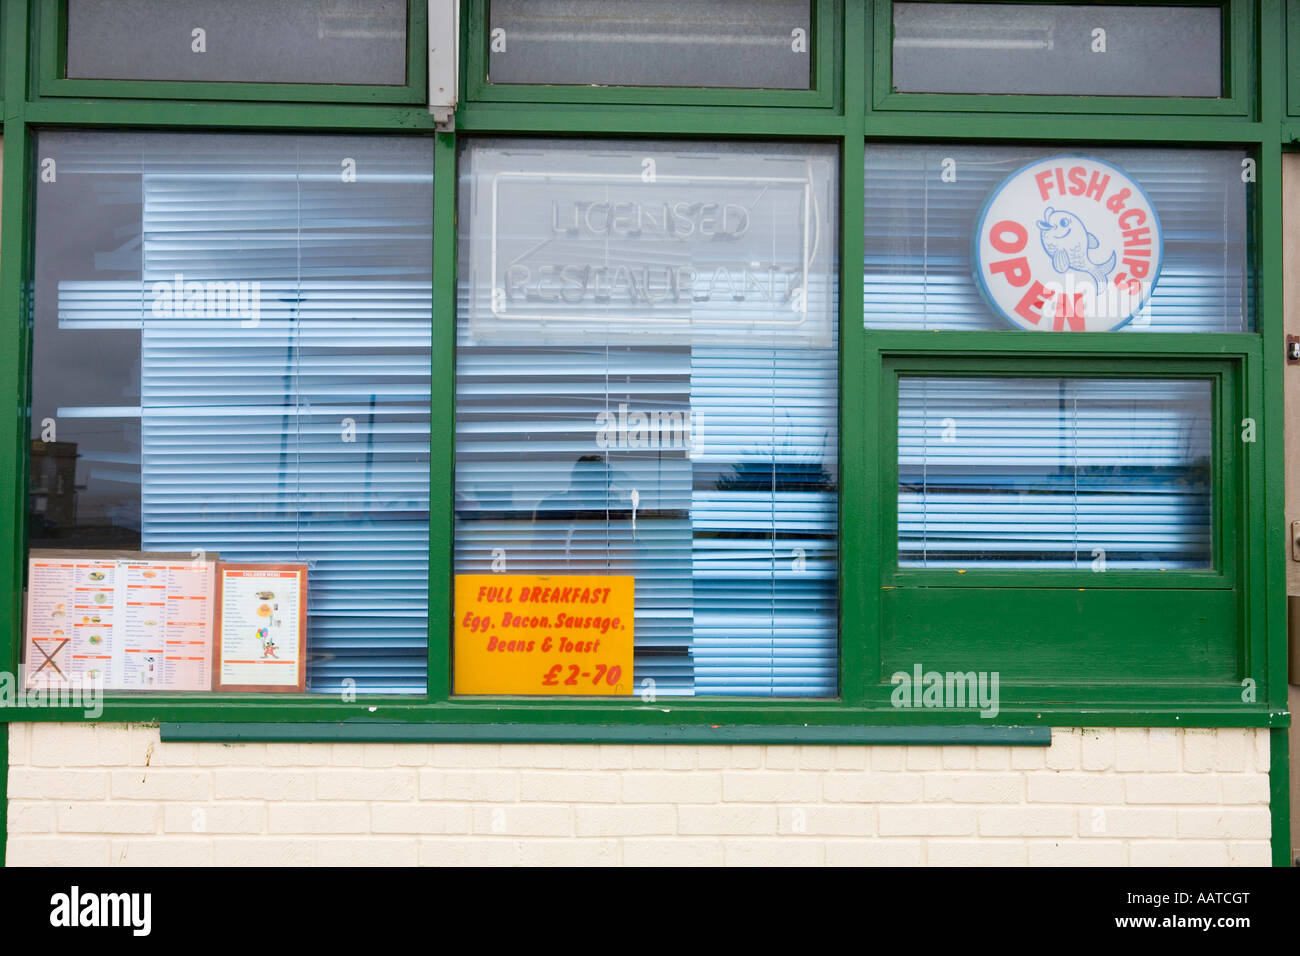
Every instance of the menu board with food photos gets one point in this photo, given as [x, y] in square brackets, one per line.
[121, 622]
[262, 628]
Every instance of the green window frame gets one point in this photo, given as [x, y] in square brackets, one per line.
[1238, 70]
[1125, 615]
[1248, 585]
[52, 41]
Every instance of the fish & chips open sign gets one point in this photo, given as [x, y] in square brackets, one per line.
[1068, 244]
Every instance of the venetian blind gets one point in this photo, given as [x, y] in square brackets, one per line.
[284, 304]
[684, 436]
[1074, 473]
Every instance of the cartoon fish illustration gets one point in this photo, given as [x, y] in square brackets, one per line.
[1067, 240]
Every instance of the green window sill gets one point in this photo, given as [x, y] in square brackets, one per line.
[392, 732]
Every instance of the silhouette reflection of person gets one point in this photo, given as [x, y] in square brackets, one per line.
[588, 526]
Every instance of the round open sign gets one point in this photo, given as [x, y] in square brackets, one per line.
[1068, 244]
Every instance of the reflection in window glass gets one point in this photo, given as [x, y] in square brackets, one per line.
[1038, 48]
[270, 41]
[924, 204]
[1053, 473]
[231, 352]
[647, 387]
[755, 44]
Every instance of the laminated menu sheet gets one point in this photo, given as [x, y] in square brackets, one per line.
[262, 629]
[123, 622]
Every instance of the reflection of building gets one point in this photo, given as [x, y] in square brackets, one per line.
[51, 487]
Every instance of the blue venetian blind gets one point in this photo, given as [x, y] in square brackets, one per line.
[1067, 473]
[1049, 472]
[285, 409]
[731, 540]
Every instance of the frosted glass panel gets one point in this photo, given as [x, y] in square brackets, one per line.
[755, 44]
[1097, 50]
[249, 41]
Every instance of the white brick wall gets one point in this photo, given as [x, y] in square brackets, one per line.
[90, 794]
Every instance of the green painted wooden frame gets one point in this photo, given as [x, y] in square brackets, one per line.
[51, 79]
[1238, 71]
[865, 487]
[1004, 622]
[824, 50]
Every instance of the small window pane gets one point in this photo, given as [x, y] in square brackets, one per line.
[231, 353]
[923, 266]
[360, 42]
[755, 44]
[1095, 50]
[647, 387]
[1053, 473]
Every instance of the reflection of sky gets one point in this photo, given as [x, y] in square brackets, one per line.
[80, 219]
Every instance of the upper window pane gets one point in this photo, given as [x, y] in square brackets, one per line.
[1017, 237]
[753, 44]
[231, 353]
[354, 42]
[646, 393]
[1094, 50]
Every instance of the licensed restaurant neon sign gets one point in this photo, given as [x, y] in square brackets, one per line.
[1068, 244]
[651, 245]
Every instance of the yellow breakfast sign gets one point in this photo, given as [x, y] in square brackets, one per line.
[549, 634]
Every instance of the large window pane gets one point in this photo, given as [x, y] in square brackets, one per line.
[267, 41]
[756, 44]
[925, 206]
[647, 387]
[231, 353]
[1038, 48]
[1053, 473]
